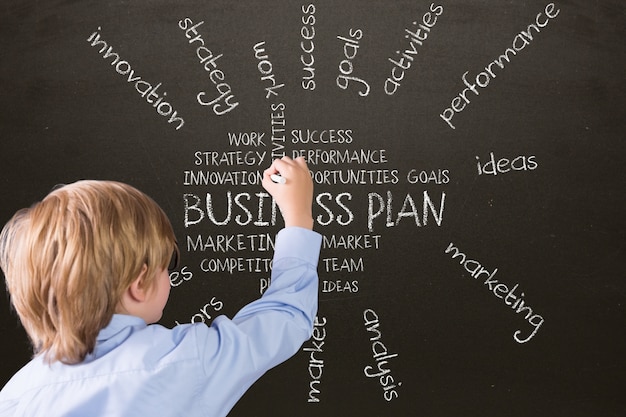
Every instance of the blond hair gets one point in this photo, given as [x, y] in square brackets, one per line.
[69, 258]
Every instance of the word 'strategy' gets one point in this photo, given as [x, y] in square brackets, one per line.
[223, 103]
[483, 78]
[144, 88]
[500, 290]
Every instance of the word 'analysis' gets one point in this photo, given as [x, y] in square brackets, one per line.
[381, 369]
[224, 101]
[482, 79]
[416, 36]
[500, 290]
[145, 89]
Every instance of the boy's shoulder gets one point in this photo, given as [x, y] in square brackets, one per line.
[121, 348]
[28, 377]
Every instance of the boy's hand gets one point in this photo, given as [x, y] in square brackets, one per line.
[295, 196]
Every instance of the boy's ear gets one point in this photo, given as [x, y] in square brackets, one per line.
[137, 289]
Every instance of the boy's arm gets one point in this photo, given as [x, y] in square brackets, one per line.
[295, 196]
[271, 329]
[235, 353]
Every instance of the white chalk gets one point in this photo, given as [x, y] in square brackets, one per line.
[278, 179]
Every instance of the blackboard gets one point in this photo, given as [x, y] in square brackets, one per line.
[468, 163]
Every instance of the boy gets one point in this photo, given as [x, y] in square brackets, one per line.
[86, 269]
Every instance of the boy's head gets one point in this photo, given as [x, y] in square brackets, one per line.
[69, 259]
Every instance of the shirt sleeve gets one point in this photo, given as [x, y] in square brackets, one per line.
[271, 329]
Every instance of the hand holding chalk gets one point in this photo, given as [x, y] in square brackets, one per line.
[278, 179]
[290, 184]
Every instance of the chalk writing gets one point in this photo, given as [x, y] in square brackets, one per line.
[327, 203]
[441, 176]
[179, 277]
[352, 242]
[230, 158]
[380, 353]
[230, 243]
[222, 103]
[144, 88]
[377, 205]
[277, 114]
[339, 285]
[324, 136]
[342, 156]
[347, 265]
[356, 176]
[416, 36]
[222, 178]
[350, 49]
[236, 265]
[521, 40]
[501, 291]
[206, 312]
[241, 214]
[315, 346]
[246, 139]
[266, 69]
[278, 130]
[307, 31]
[504, 165]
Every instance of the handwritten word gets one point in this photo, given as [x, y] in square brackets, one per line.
[500, 290]
[222, 178]
[350, 49]
[178, 277]
[520, 41]
[382, 356]
[408, 210]
[246, 139]
[144, 88]
[340, 157]
[504, 165]
[230, 158]
[340, 286]
[348, 265]
[204, 315]
[325, 136]
[278, 130]
[235, 265]
[192, 205]
[316, 364]
[424, 177]
[307, 45]
[277, 115]
[416, 38]
[265, 68]
[264, 284]
[209, 61]
[351, 242]
[355, 176]
[230, 243]
[341, 219]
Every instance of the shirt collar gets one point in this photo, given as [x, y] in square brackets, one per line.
[120, 324]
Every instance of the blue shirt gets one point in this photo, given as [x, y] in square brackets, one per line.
[190, 370]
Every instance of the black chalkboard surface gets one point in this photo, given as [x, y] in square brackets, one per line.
[468, 160]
